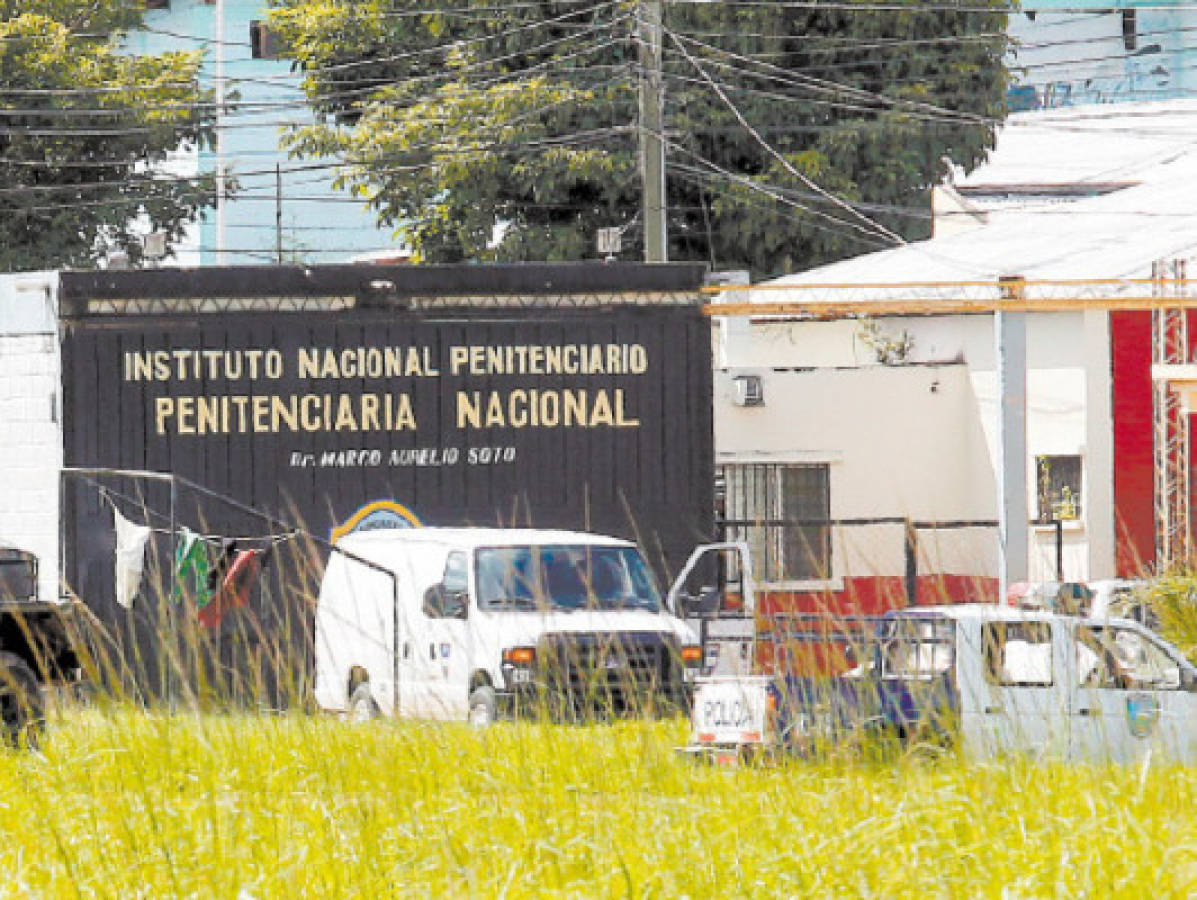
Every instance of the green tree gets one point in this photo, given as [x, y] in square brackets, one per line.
[796, 134]
[83, 129]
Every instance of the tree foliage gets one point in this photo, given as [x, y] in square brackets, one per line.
[83, 131]
[493, 131]
[1172, 599]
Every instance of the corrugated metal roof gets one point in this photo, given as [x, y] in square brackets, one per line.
[1115, 234]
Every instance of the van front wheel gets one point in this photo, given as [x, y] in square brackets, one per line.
[483, 706]
[362, 707]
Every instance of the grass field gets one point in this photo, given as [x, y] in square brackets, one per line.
[122, 804]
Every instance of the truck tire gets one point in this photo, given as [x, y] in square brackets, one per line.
[484, 707]
[362, 707]
[22, 703]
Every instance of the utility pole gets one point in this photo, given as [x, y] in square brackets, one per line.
[278, 213]
[652, 127]
[221, 171]
[1010, 355]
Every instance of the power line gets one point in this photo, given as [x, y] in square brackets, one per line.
[456, 45]
[374, 61]
[757, 196]
[257, 106]
[327, 97]
[773, 194]
[822, 85]
[810, 183]
[529, 146]
[914, 6]
[927, 112]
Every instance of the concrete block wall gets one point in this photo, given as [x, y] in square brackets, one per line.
[30, 420]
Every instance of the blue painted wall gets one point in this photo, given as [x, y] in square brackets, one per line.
[318, 224]
[1073, 53]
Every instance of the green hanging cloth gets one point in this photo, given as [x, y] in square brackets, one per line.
[192, 564]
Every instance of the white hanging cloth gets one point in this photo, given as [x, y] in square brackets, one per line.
[130, 557]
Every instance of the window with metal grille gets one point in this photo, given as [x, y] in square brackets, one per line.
[1059, 487]
[780, 510]
[1017, 654]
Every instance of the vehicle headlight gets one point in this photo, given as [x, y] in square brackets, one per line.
[518, 663]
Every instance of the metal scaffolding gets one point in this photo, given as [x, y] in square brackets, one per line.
[1170, 346]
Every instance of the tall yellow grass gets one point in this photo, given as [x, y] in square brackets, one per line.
[123, 803]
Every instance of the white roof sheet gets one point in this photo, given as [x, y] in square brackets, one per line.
[1116, 235]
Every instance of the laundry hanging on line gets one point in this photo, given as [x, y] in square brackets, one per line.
[219, 568]
[216, 584]
[232, 579]
[192, 567]
[215, 573]
[131, 540]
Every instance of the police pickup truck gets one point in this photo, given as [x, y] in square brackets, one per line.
[990, 681]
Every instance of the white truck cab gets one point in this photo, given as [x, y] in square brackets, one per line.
[992, 680]
[472, 623]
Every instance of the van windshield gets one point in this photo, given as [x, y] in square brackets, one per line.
[563, 577]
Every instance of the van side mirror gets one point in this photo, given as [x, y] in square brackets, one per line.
[705, 604]
[441, 603]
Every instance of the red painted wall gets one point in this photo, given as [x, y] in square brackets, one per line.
[862, 596]
[876, 594]
[1134, 486]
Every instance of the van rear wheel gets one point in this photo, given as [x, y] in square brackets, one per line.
[22, 703]
[483, 706]
[362, 707]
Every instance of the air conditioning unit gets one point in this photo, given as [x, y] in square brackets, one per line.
[749, 390]
[153, 246]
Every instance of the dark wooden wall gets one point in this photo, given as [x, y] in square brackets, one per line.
[651, 482]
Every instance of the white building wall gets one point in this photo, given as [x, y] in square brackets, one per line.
[30, 417]
[905, 450]
[899, 441]
[1100, 523]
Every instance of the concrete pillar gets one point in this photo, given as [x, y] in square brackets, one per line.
[1098, 460]
[1010, 337]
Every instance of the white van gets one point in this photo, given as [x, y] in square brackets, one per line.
[474, 623]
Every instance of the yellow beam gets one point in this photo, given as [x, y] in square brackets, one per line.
[891, 285]
[839, 309]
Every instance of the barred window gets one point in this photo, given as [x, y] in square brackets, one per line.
[1059, 487]
[781, 511]
[1017, 654]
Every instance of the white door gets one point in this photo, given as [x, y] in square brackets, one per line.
[410, 669]
[354, 630]
[443, 647]
[1130, 697]
[1019, 697]
[715, 593]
